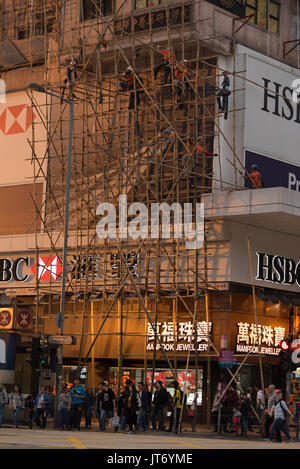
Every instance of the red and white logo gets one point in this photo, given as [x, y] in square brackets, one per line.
[24, 319]
[48, 268]
[16, 119]
[5, 318]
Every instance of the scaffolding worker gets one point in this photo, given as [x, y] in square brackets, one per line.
[165, 65]
[181, 85]
[69, 81]
[195, 148]
[254, 177]
[127, 84]
[224, 93]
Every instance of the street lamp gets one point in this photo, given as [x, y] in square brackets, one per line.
[61, 314]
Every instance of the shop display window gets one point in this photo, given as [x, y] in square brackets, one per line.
[138, 375]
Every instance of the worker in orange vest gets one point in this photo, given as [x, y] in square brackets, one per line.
[165, 65]
[200, 152]
[127, 84]
[255, 177]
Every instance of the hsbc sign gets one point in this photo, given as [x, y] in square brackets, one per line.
[13, 269]
[277, 269]
[20, 270]
[48, 268]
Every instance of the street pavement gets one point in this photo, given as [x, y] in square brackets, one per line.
[24, 438]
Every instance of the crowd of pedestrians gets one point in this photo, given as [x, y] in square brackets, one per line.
[136, 409]
[234, 413]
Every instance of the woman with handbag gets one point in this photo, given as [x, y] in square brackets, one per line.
[42, 405]
[281, 412]
[17, 403]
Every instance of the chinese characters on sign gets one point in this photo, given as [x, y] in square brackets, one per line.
[184, 335]
[255, 338]
[157, 19]
[91, 267]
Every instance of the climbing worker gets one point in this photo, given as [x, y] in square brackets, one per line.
[200, 151]
[254, 177]
[71, 76]
[223, 94]
[165, 65]
[181, 76]
[127, 84]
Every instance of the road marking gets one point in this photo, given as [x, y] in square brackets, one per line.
[188, 444]
[77, 443]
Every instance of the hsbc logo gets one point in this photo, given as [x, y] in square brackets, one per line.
[277, 269]
[16, 119]
[48, 268]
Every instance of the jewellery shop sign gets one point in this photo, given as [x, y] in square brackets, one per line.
[183, 337]
[257, 338]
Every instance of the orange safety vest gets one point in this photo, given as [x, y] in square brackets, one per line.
[255, 179]
[130, 79]
[180, 72]
[166, 54]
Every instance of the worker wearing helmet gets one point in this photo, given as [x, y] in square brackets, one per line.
[127, 84]
[255, 177]
[169, 58]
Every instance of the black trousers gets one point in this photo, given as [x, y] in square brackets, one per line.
[41, 413]
[131, 417]
[165, 66]
[172, 416]
[76, 412]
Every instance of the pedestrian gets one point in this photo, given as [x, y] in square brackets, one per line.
[64, 404]
[3, 402]
[29, 409]
[260, 407]
[97, 404]
[176, 407]
[280, 411]
[131, 408]
[148, 415]
[143, 407]
[42, 404]
[272, 399]
[160, 401]
[191, 412]
[236, 419]
[215, 410]
[17, 403]
[77, 395]
[89, 405]
[107, 405]
[230, 401]
[245, 409]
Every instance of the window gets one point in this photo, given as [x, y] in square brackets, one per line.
[266, 14]
[149, 3]
[295, 28]
[91, 9]
[30, 22]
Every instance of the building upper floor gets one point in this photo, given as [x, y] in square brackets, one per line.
[266, 26]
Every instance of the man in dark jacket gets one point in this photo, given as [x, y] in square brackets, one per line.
[143, 407]
[231, 401]
[159, 403]
[245, 409]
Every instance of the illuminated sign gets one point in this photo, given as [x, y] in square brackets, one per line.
[255, 339]
[12, 269]
[6, 318]
[277, 269]
[184, 336]
[49, 268]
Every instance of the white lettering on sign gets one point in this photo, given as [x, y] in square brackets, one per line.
[293, 182]
[184, 331]
[251, 336]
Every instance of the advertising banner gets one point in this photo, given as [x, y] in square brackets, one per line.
[274, 173]
[8, 343]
